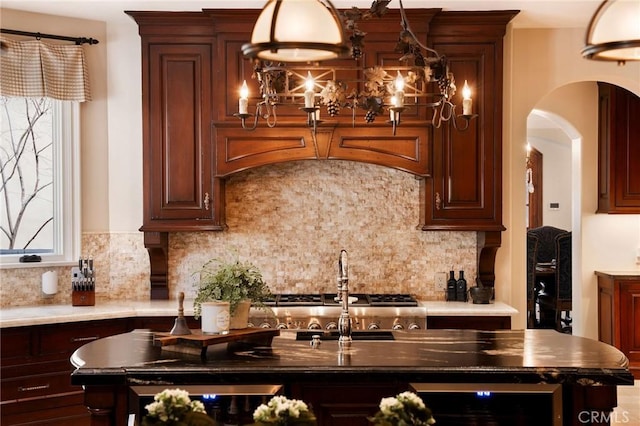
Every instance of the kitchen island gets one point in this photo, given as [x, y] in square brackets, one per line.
[346, 386]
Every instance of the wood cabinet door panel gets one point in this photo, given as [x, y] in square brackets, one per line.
[626, 127]
[37, 386]
[228, 78]
[66, 409]
[618, 150]
[469, 322]
[341, 404]
[179, 146]
[239, 149]
[16, 343]
[466, 185]
[67, 338]
[407, 150]
[606, 312]
[630, 316]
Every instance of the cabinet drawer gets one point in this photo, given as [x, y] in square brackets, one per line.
[67, 409]
[30, 368]
[35, 386]
[470, 322]
[16, 343]
[66, 338]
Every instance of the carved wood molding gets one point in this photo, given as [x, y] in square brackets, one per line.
[157, 244]
[488, 244]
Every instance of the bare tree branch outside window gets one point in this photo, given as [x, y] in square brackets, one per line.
[26, 169]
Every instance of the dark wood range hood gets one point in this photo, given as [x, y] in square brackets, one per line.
[193, 143]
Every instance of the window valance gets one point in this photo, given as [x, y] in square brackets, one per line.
[34, 68]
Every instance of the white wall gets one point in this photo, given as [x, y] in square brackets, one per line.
[555, 147]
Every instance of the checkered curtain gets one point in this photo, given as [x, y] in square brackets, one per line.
[34, 68]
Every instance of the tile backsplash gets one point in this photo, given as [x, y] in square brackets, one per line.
[291, 220]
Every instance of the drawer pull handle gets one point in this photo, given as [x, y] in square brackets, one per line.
[84, 339]
[33, 388]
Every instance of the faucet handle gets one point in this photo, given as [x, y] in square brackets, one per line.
[343, 269]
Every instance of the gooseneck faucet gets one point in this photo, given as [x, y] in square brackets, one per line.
[344, 323]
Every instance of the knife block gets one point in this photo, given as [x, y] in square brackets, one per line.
[83, 297]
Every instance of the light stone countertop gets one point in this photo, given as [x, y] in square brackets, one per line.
[459, 309]
[54, 314]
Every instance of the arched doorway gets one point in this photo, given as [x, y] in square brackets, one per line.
[558, 182]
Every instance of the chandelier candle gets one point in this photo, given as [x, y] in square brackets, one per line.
[243, 103]
[466, 99]
[392, 113]
[399, 95]
[309, 93]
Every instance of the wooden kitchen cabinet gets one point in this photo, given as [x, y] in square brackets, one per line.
[238, 149]
[469, 322]
[36, 372]
[177, 99]
[339, 404]
[618, 150]
[619, 314]
[180, 192]
[191, 63]
[465, 191]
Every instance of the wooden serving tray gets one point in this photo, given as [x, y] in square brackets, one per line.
[197, 343]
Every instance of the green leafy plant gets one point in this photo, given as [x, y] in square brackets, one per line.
[232, 281]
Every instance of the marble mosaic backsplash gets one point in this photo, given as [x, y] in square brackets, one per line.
[291, 220]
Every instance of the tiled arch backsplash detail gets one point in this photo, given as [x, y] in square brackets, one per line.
[292, 219]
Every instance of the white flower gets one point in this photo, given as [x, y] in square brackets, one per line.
[389, 405]
[173, 404]
[280, 408]
[406, 409]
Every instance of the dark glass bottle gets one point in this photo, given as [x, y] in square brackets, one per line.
[451, 287]
[461, 288]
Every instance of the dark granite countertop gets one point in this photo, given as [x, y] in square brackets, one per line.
[514, 356]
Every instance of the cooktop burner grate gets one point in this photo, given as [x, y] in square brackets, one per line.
[392, 300]
[329, 299]
[299, 300]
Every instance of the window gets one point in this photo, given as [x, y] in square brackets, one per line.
[39, 168]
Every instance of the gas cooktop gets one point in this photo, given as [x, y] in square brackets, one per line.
[330, 299]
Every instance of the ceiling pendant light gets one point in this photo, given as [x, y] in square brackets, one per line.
[614, 32]
[297, 31]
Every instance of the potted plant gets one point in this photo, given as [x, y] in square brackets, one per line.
[233, 281]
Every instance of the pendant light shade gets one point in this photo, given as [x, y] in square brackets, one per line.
[614, 32]
[297, 31]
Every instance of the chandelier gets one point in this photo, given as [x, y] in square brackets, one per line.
[614, 32]
[287, 52]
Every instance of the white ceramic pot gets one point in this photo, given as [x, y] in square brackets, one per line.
[215, 317]
[240, 318]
